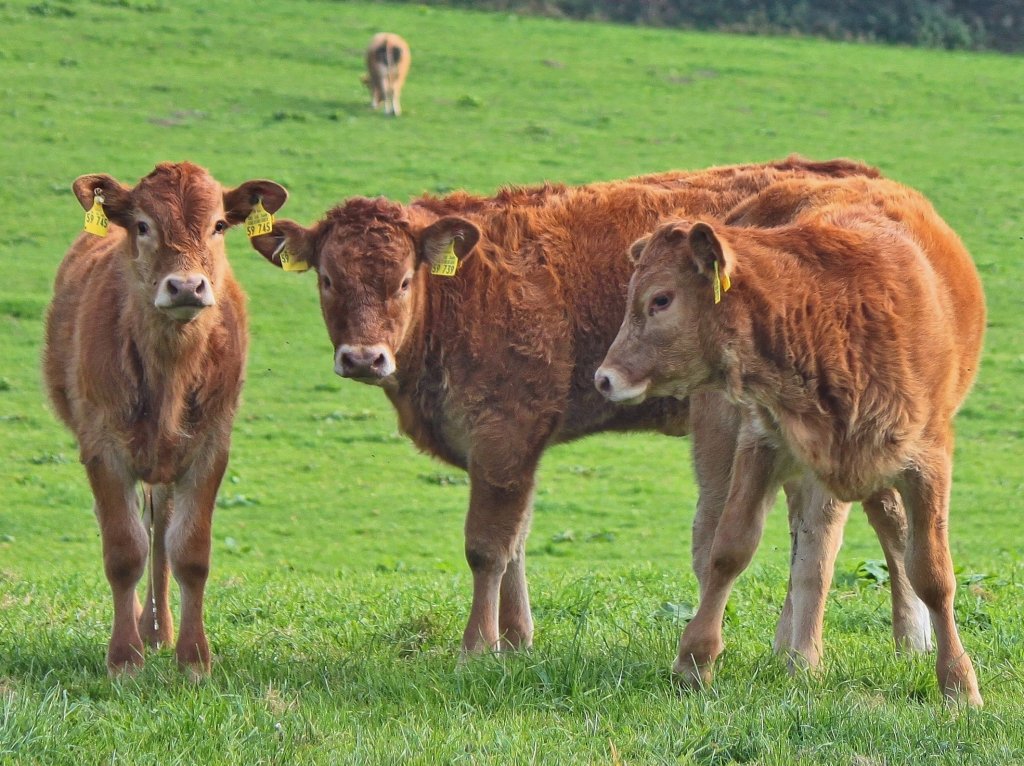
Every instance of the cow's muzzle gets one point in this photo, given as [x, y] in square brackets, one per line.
[615, 387]
[183, 296]
[368, 364]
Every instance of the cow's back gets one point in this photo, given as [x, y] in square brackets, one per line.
[789, 200]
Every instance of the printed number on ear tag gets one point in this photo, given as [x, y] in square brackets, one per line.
[290, 261]
[448, 264]
[96, 218]
[259, 221]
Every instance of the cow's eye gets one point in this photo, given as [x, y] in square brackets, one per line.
[405, 284]
[325, 282]
[220, 227]
[143, 228]
[659, 302]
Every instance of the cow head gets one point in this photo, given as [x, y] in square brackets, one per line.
[658, 350]
[176, 219]
[372, 263]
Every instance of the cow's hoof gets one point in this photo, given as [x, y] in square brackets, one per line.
[692, 675]
[125, 660]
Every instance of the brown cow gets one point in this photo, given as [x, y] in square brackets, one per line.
[849, 338]
[489, 366]
[145, 352]
[387, 65]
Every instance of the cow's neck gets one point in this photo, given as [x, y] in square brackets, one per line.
[171, 357]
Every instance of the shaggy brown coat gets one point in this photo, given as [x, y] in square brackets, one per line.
[145, 350]
[489, 366]
[850, 337]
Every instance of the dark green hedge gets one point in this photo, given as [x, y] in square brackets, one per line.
[974, 24]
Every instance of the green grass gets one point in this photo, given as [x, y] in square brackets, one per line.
[339, 590]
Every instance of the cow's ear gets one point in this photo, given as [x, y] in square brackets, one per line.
[240, 201]
[637, 249]
[117, 198]
[707, 249]
[289, 246]
[450, 233]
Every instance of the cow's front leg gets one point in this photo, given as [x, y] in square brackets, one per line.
[816, 521]
[751, 494]
[188, 546]
[156, 625]
[124, 559]
[515, 622]
[715, 424]
[496, 528]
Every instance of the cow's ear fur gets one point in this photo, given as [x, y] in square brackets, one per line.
[450, 230]
[637, 249]
[708, 248]
[239, 202]
[117, 198]
[299, 240]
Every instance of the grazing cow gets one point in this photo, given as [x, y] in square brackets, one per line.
[145, 351]
[387, 64]
[491, 358]
[849, 338]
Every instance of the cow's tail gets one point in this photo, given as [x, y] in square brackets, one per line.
[392, 55]
[148, 521]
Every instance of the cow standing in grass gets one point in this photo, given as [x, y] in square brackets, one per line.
[387, 65]
[490, 360]
[849, 338]
[145, 352]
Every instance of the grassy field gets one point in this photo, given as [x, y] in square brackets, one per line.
[339, 589]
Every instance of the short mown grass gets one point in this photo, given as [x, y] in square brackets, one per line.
[339, 589]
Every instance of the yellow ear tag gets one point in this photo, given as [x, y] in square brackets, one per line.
[290, 261]
[448, 264]
[716, 284]
[259, 221]
[95, 218]
[726, 282]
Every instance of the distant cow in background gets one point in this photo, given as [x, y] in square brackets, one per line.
[145, 352]
[387, 64]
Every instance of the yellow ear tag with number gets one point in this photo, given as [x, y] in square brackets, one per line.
[448, 264]
[720, 284]
[290, 261]
[95, 218]
[259, 221]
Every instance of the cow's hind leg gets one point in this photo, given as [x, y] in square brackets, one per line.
[910, 626]
[925, 491]
[188, 546]
[752, 492]
[156, 625]
[124, 559]
[816, 521]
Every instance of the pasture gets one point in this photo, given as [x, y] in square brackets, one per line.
[339, 590]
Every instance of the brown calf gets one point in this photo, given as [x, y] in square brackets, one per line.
[387, 64]
[145, 352]
[849, 338]
[489, 366]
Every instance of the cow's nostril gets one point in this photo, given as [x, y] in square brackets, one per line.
[604, 384]
[201, 287]
[379, 362]
[172, 287]
[347, 362]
